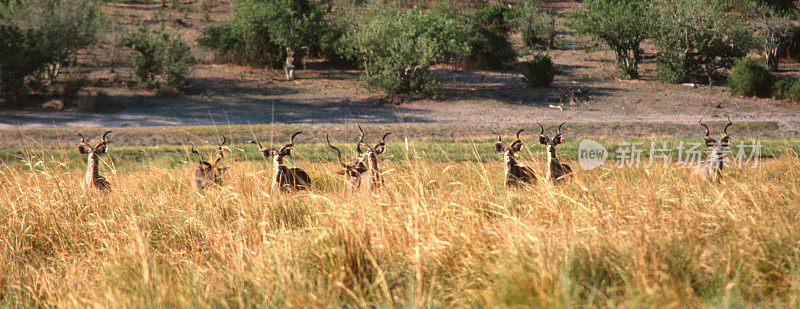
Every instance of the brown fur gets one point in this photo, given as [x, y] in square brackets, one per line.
[363, 174]
[516, 174]
[556, 171]
[710, 170]
[92, 179]
[283, 177]
[208, 174]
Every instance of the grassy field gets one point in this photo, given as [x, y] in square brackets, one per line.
[442, 232]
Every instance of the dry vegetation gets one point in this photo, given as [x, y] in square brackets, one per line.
[438, 234]
[443, 232]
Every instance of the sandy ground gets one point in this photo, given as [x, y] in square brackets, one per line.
[228, 94]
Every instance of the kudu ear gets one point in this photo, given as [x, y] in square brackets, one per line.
[269, 152]
[544, 139]
[517, 146]
[380, 148]
[726, 141]
[100, 148]
[710, 141]
[82, 149]
[500, 146]
[557, 140]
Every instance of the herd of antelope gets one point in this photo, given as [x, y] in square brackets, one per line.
[363, 173]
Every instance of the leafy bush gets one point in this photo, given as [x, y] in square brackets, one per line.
[38, 37]
[23, 55]
[697, 40]
[488, 40]
[398, 48]
[276, 29]
[780, 89]
[621, 24]
[539, 72]
[750, 78]
[794, 92]
[536, 27]
[331, 41]
[496, 17]
[785, 90]
[791, 48]
[160, 59]
[488, 49]
[232, 42]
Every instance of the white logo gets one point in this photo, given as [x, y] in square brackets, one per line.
[591, 154]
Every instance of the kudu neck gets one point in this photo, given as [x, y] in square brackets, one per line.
[277, 160]
[372, 161]
[551, 153]
[509, 158]
[91, 164]
[716, 157]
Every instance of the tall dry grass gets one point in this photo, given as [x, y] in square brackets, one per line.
[438, 234]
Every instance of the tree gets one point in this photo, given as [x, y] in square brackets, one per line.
[397, 48]
[489, 40]
[697, 39]
[772, 28]
[291, 24]
[536, 26]
[23, 54]
[43, 36]
[621, 24]
[160, 59]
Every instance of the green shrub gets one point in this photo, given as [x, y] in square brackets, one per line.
[23, 55]
[496, 17]
[791, 46]
[160, 59]
[397, 48]
[622, 25]
[786, 90]
[750, 78]
[793, 93]
[713, 38]
[331, 42]
[536, 27]
[780, 89]
[489, 49]
[276, 29]
[38, 37]
[539, 72]
[231, 42]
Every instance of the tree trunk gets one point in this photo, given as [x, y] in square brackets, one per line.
[628, 63]
[771, 52]
[289, 66]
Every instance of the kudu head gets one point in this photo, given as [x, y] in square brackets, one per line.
[550, 144]
[214, 165]
[279, 154]
[352, 169]
[370, 156]
[717, 149]
[509, 151]
[380, 147]
[93, 152]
